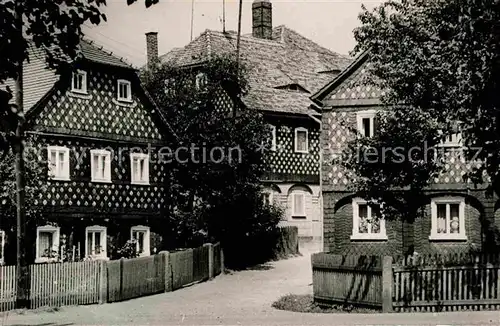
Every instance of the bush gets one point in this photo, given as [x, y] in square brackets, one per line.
[128, 250]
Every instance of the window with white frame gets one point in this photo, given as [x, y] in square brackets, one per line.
[124, 90]
[100, 165]
[273, 137]
[298, 204]
[95, 242]
[59, 165]
[47, 244]
[141, 235]
[366, 122]
[79, 82]
[2, 246]
[301, 140]
[139, 168]
[448, 219]
[367, 221]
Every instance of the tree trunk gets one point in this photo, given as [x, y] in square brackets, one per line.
[22, 269]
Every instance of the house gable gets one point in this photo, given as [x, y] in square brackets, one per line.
[98, 113]
[352, 87]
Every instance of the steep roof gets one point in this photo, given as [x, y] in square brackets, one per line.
[289, 58]
[38, 80]
[354, 86]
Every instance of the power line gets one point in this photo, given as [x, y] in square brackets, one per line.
[116, 41]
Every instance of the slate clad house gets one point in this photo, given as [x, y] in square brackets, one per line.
[97, 129]
[285, 70]
[456, 214]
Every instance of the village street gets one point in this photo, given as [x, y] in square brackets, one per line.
[242, 298]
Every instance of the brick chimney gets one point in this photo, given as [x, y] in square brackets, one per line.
[262, 19]
[152, 48]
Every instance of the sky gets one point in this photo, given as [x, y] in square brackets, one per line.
[327, 22]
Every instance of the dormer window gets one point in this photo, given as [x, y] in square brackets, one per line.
[124, 91]
[293, 88]
[79, 82]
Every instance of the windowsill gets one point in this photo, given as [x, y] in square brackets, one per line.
[97, 258]
[437, 237]
[45, 260]
[78, 91]
[138, 183]
[101, 181]
[123, 102]
[59, 179]
[299, 217]
[302, 152]
[80, 94]
[369, 237]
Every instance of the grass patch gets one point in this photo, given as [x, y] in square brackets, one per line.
[305, 303]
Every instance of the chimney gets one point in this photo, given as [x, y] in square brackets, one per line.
[152, 48]
[262, 19]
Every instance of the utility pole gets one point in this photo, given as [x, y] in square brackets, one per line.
[238, 39]
[22, 270]
[192, 18]
[223, 16]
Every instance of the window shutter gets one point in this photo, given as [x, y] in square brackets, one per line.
[376, 124]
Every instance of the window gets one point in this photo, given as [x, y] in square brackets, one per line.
[273, 137]
[124, 91]
[452, 140]
[301, 143]
[100, 165]
[448, 219]
[267, 197]
[58, 158]
[2, 246]
[141, 235]
[140, 168]
[299, 204]
[47, 244]
[367, 221]
[95, 242]
[79, 82]
[366, 122]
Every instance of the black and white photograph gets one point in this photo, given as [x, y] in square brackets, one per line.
[249, 162]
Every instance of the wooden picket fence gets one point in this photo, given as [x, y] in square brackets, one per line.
[445, 283]
[347, 279]
[91, 282]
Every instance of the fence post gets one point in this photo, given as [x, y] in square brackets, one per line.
[103, 282]
[387, 284]
[222, 271]
[210, 260]
[167, 271]
[121, 278]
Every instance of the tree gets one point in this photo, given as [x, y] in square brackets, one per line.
[217, 163]
[54, 27]
[438, 62]
[36, 171]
